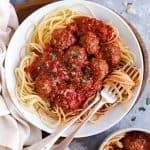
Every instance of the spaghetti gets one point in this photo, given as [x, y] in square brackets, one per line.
[63, 69]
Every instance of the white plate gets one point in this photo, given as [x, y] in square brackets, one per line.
[19, 39]
[121, 132]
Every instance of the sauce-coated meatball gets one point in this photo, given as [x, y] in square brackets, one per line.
[76, 55]
[72, 27]
[70, 99]
[112, 53]
[62, 39]
[100, 68]
[44, 85]
[85, 24]
[104, 32]
[90, 42]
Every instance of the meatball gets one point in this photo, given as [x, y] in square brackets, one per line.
[112, 53]
[104, 32]
[72, 27]
[100, 68]
[62, 39]
[44, 85]
[76, 55]
[49, 78]
[38, 65]
[90, 42]
[136, 141]
[70, 100]
[85, 24]
[90, 87]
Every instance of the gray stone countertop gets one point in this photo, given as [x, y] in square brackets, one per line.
[136, 12]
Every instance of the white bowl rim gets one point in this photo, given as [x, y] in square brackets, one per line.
[142, 68]
[126, 130]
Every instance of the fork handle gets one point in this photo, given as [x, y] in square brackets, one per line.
[49, 141]
[68, 140]
[56, 135]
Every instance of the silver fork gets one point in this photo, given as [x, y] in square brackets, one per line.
[109, 96]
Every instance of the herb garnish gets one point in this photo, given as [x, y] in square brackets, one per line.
[142, 109]
[42, 65]
[74, 53]
[53, 55]
[87, 72]
[50, 75]
[133, 118]
[129, 4]
[148, 101]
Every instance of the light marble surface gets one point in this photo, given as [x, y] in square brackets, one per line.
[138, 13]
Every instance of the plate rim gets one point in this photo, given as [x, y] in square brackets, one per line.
[142, 68]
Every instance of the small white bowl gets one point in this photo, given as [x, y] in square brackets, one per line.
[121, 132]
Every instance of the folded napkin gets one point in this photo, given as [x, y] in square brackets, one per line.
[15, 132]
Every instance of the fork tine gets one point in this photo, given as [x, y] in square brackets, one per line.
[126, 67]
[135, 75]
[111, 89]
[120, 89]
[132, 70]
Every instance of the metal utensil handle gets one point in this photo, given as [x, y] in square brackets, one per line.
[57, 134]
[49, 141]
[68, 140]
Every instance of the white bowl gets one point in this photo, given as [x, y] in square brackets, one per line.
[121, 132]
[19, 39]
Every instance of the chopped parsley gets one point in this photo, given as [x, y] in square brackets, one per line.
[148, 101]
[42, 65]
[50, 75]
[142, 109]
[53, 56]
[69, 66]
[133, 118]
[87, 72]
[74, 53]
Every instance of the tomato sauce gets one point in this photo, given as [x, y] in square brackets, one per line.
[136, 141]
[74, 63]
